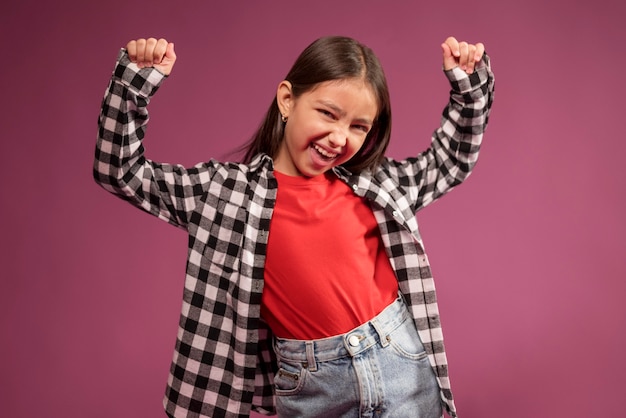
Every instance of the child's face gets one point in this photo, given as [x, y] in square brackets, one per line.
[326, 126]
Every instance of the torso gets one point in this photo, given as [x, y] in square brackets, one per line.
[326, 270]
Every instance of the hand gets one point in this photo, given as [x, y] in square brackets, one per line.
[461, 54]
[152, 53]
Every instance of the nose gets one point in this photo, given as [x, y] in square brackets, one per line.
[338, 137]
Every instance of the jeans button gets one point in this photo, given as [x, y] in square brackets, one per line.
[353, 340]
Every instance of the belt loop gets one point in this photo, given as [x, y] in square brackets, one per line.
[310, 356]
[382, 337]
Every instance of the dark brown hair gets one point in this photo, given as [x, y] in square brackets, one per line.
[326, 59]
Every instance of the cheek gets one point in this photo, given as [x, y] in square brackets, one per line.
[295, 135]
[304, 130]
[356, 144]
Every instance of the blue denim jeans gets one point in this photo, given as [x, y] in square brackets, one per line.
[379, 369]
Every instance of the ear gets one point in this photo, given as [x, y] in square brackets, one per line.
[284, 97]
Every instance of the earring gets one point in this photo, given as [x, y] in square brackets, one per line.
[283, 118]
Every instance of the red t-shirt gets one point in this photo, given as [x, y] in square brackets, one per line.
[326, 270]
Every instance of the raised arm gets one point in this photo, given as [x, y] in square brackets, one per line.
[166, 191]
[456, 143]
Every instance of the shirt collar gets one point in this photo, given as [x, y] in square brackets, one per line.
[261, 161]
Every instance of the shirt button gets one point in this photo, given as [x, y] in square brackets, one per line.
[353, 340]
[355, 187]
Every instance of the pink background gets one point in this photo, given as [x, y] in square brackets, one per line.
[528, 254]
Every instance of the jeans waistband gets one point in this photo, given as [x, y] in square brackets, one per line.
[361, 338]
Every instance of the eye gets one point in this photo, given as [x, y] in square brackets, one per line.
[363, 128]
[327, 113]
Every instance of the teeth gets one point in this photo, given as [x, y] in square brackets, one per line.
[324, 152]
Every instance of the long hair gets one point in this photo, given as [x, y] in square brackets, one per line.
[331, 58]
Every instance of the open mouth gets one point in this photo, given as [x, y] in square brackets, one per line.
[325, 155]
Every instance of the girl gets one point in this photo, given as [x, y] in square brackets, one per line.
[308, 292]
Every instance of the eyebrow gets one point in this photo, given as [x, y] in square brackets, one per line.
[338, 110]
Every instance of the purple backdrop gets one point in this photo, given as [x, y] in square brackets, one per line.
[528, 254]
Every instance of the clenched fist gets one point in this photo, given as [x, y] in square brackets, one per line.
[461, 54]
[152, 53]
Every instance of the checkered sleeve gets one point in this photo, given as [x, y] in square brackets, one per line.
[167, 191]
[456, 143]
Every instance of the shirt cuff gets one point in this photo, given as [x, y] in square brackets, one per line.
[461, 82]
[144, 81]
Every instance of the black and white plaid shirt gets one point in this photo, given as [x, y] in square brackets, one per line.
[223, 365]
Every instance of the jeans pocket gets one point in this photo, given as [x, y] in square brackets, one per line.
[289, 378]
[406, 341]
